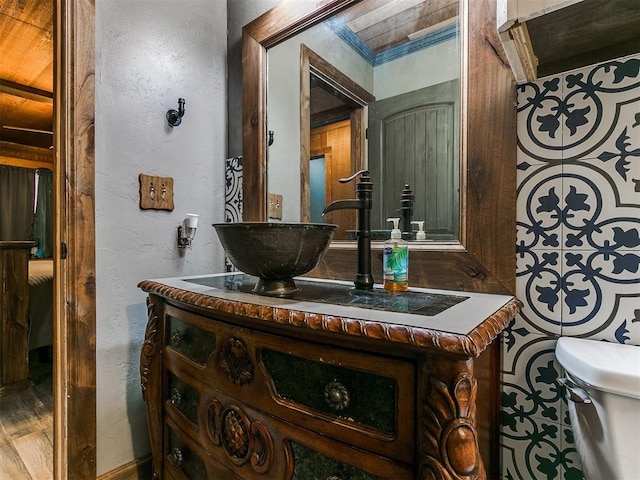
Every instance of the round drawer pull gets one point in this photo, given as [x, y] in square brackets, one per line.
[337, 396]
[175, 457]
[175, 340]
[176, 397]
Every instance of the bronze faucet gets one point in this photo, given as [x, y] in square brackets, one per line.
[362, 203]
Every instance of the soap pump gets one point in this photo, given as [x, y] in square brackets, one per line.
[395, 260]
[420, 234]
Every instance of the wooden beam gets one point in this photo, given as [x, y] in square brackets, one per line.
[522, 41]
[25, 152]
[25, 91]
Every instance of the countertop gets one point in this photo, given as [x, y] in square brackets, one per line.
[458, 322]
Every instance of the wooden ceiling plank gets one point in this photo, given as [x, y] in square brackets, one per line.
[359, 9]
[398, 29]
[25, 91]
[27, 54]
[14, 151]
[380, 14]
[38, 13]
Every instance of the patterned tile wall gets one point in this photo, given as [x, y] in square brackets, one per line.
[232, 197]
[578, 250]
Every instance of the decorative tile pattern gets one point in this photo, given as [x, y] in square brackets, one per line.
[578, 250]
[232, 196]
[233, 190]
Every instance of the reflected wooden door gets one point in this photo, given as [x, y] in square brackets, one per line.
[413, 140]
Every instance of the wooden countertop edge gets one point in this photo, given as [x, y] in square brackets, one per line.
[470, 345]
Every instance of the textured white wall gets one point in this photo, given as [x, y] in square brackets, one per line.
[430, 66]
[148, 54]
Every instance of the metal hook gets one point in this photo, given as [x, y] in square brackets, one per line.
[174, 117]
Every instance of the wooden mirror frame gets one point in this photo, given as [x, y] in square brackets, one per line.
[356, 98]
[484, 260]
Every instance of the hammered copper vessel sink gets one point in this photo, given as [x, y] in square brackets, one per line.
[275, 252]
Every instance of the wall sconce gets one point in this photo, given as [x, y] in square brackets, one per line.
[174, 117]
[187, 231]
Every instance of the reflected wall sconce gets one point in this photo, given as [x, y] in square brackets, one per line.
[174, 117]
[187, 231]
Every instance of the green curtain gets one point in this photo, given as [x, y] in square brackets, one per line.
[17, 187]
[43, 224]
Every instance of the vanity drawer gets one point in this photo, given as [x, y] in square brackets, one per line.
[309, 463]
[188, 340]
[183, 397]
[345, 393]
[180, 457]
[237, 441]
[349, 395]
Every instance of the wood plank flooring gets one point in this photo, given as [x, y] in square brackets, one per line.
[26, 427]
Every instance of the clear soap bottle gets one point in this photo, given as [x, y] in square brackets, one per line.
[395, 260]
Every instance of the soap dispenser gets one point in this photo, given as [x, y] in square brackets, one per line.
[420, 234]
[395, 260]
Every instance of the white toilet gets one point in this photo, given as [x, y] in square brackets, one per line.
[603, 393]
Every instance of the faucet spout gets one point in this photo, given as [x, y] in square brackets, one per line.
[352, 204]
[364, 279]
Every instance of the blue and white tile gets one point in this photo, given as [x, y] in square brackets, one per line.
[531, 449]
[593, 216]
[530, 381]
[539, 115]
[616, 320]
[539, 209]
[601, 293]
[571, 465]
[232, 197]
[539, 287]
[599, 103]
[233, 190]
[619, 175]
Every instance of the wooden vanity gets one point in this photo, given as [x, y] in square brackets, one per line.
[335, 383]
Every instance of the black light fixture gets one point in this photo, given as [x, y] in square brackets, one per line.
[174, 117]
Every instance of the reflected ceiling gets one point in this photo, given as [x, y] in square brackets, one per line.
[382, 30]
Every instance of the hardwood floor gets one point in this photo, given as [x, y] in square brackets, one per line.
[26, 426]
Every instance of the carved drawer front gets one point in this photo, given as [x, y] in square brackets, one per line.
[188, 339]
[355, 397]
[362, 397]
[180, 457]
[182, 397]
[309, 464]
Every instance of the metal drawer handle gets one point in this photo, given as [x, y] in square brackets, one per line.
[175, 457]
[175, 340]
[176, 397]
[333, 477]
[336, 395]
[574, 392]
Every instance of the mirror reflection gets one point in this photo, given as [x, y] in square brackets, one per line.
[375, 86]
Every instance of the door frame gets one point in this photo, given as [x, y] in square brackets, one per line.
[74, 371]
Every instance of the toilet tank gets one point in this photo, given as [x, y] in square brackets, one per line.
[604, 405]
[609, 367]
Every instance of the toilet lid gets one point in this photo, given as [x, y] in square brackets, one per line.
[611, 367]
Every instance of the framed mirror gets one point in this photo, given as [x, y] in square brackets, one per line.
[480, 256]
[378, 87]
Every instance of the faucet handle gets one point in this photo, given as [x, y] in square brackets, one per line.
[364, 173]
